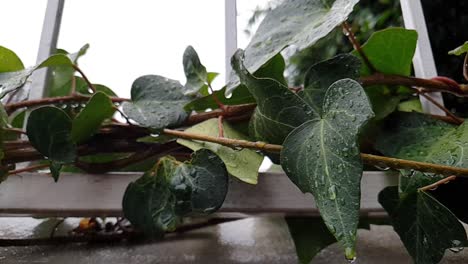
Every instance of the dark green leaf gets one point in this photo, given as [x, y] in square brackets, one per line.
[453, 196]
[195, 72]
[242, 164]
[322, 157]
[88, 121]
[9, 61]
[273, 69]
[415, 136]
[323, 74]
[426, 227]
[278, 111]
[157, 102]
[158, 201]
[55, 169]
[49, 131]
[383, 101]
[460, 50]
[293, 22]
[310, 236]
[206, 178]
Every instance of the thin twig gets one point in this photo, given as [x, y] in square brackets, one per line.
[215, 98]
[357, 46]
[366, 158]
[437, 184]
[30, 168]
[15, 130]
[73, 85]
[392, 79]
[220, 126]
[465, 67]
[56, 100]
[457, 120]
[91, 86]
[234, 143]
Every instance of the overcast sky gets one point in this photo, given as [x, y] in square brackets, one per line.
[128, 38]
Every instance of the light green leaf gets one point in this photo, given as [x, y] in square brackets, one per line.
[322, 157]
[391, 51]
[9, 61]
[157, 102]
[88, 121]
[49, 131]
[415, 136]
[293, 22]
[195, 72]
[426, 227]
[242, 164]
[10, 81]
[460, 50]
[158, 201]
[413, 105]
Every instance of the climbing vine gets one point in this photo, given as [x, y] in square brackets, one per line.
[354, 110]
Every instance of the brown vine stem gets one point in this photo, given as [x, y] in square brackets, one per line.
[437, 184]
[357, 46]
[56, 100]
[91, 86]
[456, 120]
[391, 79]
[366, 158]
[27, 169]
[15, 130]
[465, 67]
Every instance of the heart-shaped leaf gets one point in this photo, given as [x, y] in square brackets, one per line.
[426, 227]
[158, 201]
[322, 157]
[157, 102]
[242, 164]
[49, 131]
[278, 111]
[195, 72]
[85, 124]
[293, 22]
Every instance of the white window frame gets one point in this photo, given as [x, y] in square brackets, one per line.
[30, 194]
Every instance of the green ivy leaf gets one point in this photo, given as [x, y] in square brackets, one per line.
[49, 131]
[10, 81]
[55, 169]
[293, 22]
[157, 201]
[323, 74]
[88, 121]
[157, 102]
[426, 227]
[241, 95]
[196, 74]
[310, 236]
[242, 164]
[391, 51]
[322, 157]
[413, 105]
[460, 50]
[278, 111]
[415, 136]
[10, 62]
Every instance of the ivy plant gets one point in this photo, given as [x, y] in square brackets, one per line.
[187, 137]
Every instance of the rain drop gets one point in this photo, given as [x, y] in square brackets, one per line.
[332, 192]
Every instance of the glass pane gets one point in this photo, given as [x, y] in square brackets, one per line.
[249, 15]
[133, 38]
[21, 28]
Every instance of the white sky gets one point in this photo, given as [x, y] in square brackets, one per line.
[128, 38]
